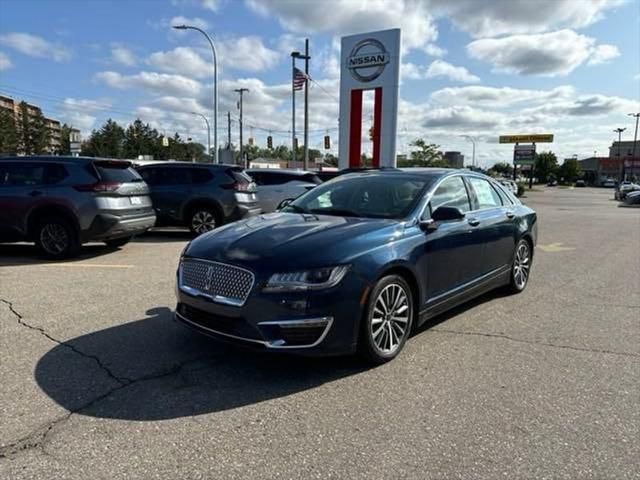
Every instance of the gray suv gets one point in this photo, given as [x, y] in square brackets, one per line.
[62, 202]
[199, 196]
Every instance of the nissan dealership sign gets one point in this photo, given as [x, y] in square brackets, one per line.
[369, 62]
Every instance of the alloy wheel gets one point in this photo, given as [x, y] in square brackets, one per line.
[390, 318]
[521, 265]
[203, 221]
[54, 238]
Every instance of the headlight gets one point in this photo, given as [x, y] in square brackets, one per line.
[315, 279]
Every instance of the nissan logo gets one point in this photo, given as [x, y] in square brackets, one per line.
[367, 60]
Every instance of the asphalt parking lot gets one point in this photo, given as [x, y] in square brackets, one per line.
[98, 380]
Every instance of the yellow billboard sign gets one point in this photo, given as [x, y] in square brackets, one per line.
[534, 138]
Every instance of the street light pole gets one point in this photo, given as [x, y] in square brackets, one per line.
[241, 91]
[635, 141]
[215, 86]
[208, 132]
[473, 155]
[619, 132]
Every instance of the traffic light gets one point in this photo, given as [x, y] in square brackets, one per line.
[327, 142]
[371, 134]
[270, 142]
[251, 141]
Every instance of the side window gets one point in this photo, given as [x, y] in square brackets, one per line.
[451, 193]
[485, 194]
[148, 175]
[172, 176]
[269, 178]
[54, 173]
[504, 196]
[23, 174]
[200, 175]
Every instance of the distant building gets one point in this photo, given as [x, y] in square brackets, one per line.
[454, 159]
[624, 149]
[54, 128]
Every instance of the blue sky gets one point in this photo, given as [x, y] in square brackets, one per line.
[470, 67]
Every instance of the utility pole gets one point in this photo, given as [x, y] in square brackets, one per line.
[306, 104]
[229, 130]
[294, 55]
[241, 91]
[635, 135]
[619, 132]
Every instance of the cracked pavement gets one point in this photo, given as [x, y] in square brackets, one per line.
[97, 379]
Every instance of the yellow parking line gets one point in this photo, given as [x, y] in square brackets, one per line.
[555, 247]
[85, 265]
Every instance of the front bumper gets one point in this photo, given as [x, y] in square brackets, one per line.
[108, 226]
[309, 323]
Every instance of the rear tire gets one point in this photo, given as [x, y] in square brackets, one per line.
[521, 267]
[57, 238]
[388, 320]
[118, 242]
[203, 220]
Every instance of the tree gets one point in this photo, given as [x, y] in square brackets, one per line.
[8, 133]
[65, 142]
[140, 139]
[426, 155]
[107, 142]
[38, 133]
[546, 166]
[569, 170]
[502, 169]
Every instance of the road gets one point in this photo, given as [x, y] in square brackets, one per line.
[98, 381]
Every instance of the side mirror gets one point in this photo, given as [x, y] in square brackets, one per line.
[440, 215]
[284, 203]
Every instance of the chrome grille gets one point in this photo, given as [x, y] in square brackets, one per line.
[223, 283]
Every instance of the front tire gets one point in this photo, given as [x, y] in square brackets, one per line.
[521, 267]
[56, 238]
[388, 320]
[202, 220]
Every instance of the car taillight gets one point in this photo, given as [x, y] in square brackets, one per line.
[98, 187]
[243, 187]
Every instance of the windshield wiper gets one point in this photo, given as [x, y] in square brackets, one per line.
[336, 211]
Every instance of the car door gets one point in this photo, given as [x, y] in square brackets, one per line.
[497, 224]
[22, 188]
[452, 248]
[170, 188]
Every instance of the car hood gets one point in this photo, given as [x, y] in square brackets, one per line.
[292, 240]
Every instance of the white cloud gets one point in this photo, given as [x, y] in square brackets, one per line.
[492, 18]
[179, 104]
[636, 76]
[5, 62]
[82, 113]
[440, 68]
[434, 50]
[587, 106]
[603, 53]
[497, 96]
[160, 83]
[549, 54]
[183, 60]
[212, 5]
[349, 16]
[247, 54]
[411, 71]
[123, 56]
[462, 118]
[35, 46]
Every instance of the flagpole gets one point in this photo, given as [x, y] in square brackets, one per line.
[293, 109]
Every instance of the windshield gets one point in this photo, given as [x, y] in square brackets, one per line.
[372, 196]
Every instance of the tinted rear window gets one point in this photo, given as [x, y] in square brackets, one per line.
[239, 175]
[119, 172]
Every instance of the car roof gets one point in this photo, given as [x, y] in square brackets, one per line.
[172, 163]
[61, 158]
[428, 172]
[288, 171]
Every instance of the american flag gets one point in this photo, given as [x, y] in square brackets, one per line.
[299, 79]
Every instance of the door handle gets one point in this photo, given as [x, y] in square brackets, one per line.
[35, 193]
[510, 214]
[474, 222]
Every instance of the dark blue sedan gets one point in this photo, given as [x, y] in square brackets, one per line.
[356, 263]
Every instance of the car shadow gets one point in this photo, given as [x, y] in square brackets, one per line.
[18, 254]
[164, 371]
[164, 236]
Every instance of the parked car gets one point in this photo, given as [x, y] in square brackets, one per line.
[199, 196]
[632, 198]
[624, 188]
[276, 184]
[609, 183]
[357, 263]
[62, 202]
[580, 183]
[509, 185]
